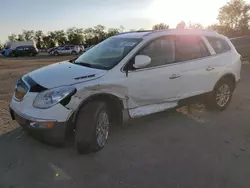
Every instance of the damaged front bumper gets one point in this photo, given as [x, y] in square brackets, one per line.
[51, 124]
[49, 130]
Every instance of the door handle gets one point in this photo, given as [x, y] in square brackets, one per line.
[174, 76]
[209, 68]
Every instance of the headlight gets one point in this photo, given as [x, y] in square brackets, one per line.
[51, 97]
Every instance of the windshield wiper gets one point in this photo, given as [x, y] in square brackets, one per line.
[83, 64]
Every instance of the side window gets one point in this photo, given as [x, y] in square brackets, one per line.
[67, 48]
[20, 48]
[219, 45]
[161, 51]
[190, 47]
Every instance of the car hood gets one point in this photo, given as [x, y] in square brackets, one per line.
[64, 73]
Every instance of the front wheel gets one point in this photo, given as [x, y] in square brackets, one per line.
[221, 96]
[92, 127]
[56, 53]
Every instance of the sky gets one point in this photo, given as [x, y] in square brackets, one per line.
[48, 15]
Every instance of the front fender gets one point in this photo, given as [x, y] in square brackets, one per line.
[84, 94]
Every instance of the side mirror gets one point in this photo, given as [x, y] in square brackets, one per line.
[141, 61]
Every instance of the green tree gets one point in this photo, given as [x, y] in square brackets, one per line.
[1, 46]
[48, 40]
[20, 37]
[38, 38]
[75, 35]
[28, 34]
[234, 17]
[111, 32]
[160, 26]
[12, 37]
[60, 37]
[99, 32]
[195, 25]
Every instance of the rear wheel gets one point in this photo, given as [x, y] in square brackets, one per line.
[92, 127]
[73, 53]
[222, 94]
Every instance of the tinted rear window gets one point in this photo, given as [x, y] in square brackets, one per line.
[219, 45]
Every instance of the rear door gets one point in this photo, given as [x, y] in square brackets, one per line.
[193, 58]
[60, 50]
[68, 49]
[27, 50]
[220, 60]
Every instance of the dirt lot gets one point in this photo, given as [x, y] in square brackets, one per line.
[194, 148]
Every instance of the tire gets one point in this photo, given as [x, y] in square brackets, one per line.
[224, 88]
[89, 129]
[56, 53]
[13, 55]
[30, 54]
[73, 53]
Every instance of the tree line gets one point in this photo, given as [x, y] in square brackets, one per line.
[233, 20]
[70, 36]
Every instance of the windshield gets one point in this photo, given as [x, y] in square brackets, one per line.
[108, 53]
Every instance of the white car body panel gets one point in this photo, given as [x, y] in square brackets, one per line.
[142, 92]
[14, 44]
[149, 109]
[56, 113]
[64, 72]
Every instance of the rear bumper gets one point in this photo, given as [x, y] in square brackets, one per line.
[54, 134]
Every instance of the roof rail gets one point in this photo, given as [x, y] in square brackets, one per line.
[124, 32]
[134, 32]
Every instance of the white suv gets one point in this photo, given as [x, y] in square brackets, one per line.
[126, 76]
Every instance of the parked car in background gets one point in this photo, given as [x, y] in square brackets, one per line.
[242, 45]
[81, 48]
[66, 50]
[24, 51]
[11, 46]
[126, 76]
[15, 44]
[52, 49]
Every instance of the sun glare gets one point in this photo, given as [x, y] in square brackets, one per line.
[172, 12]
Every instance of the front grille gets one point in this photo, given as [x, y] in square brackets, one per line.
[21, 89]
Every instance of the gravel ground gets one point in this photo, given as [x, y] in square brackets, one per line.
[187, 148]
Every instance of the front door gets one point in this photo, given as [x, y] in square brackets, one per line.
[60, 50]
[154, 84]
[20, 51]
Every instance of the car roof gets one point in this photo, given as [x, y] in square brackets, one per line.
[155, 33]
